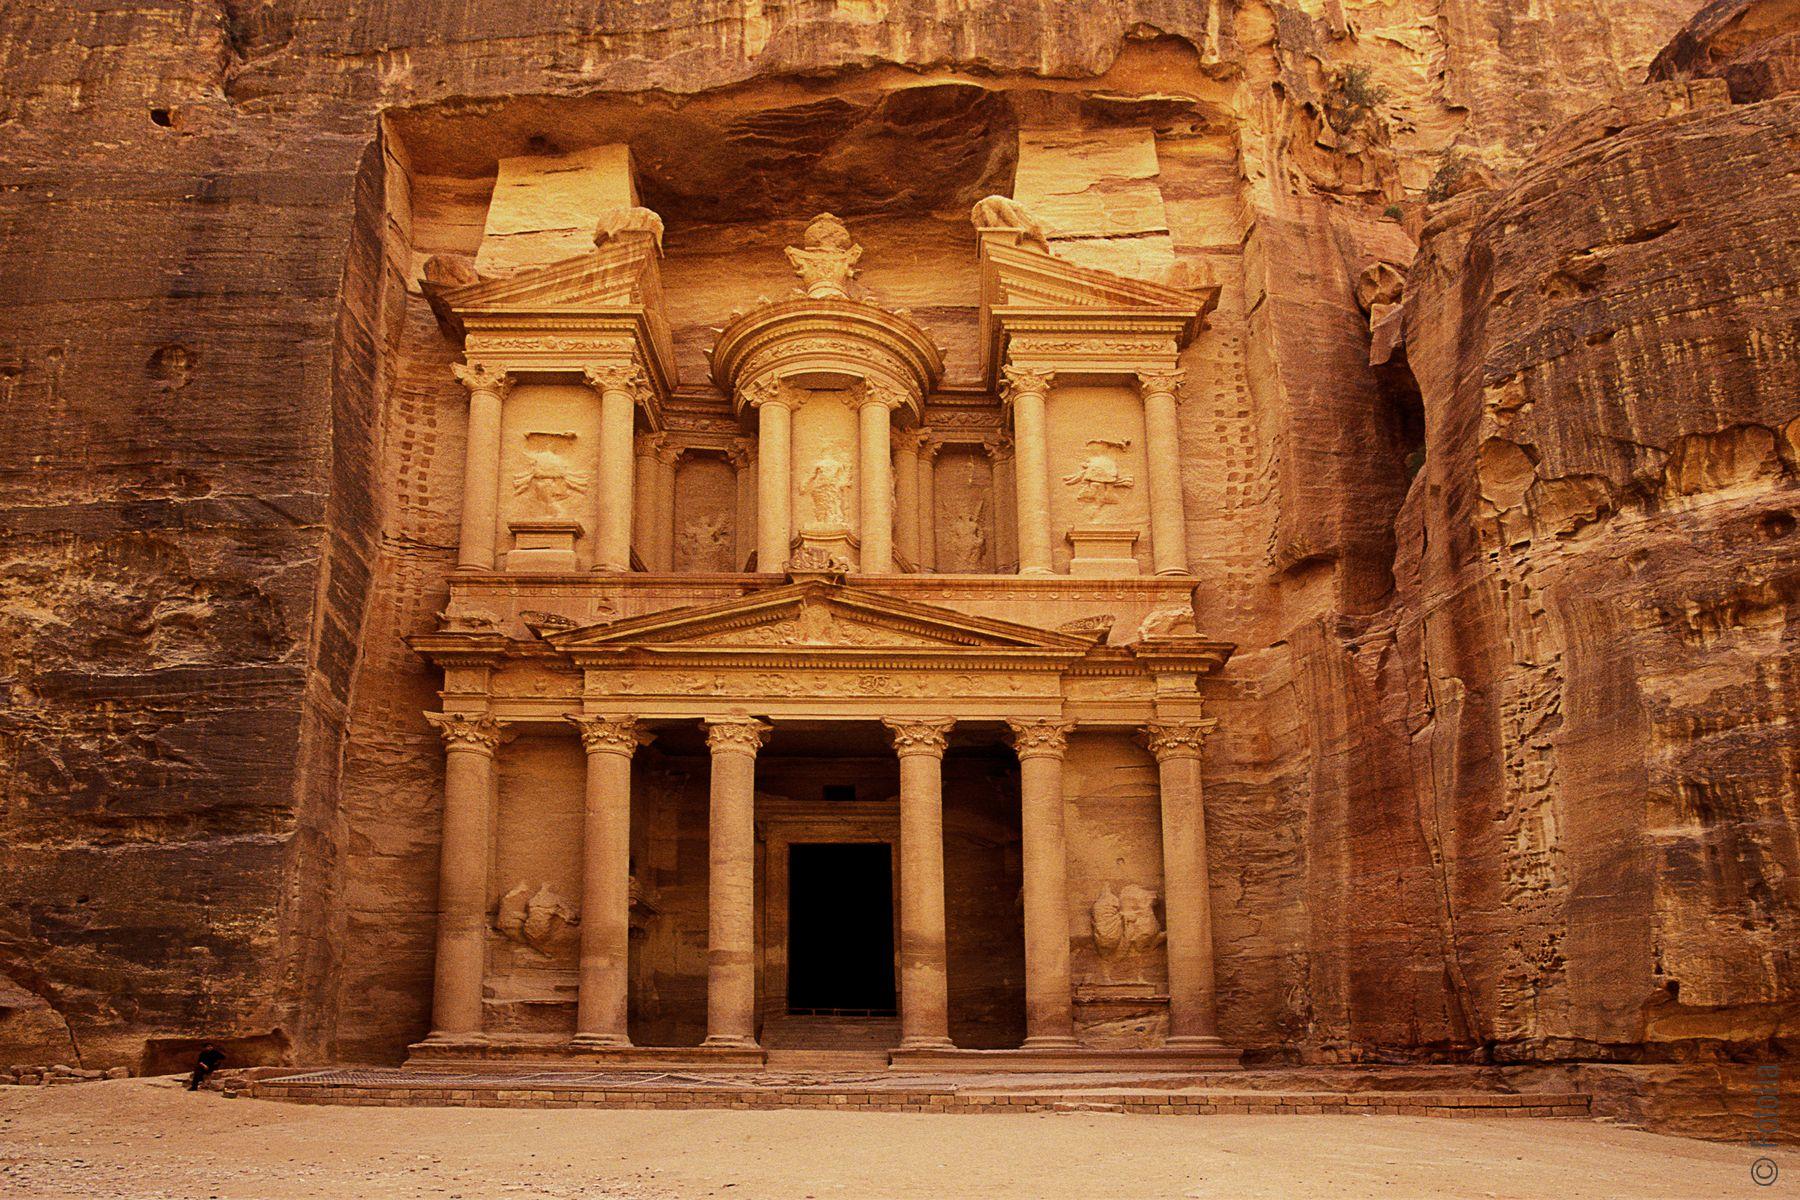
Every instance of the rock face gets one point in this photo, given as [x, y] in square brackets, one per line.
[1504, 765]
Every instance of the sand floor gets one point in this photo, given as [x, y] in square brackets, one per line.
[148, 1138]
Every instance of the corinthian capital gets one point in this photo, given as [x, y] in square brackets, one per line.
[1026, 380]
[919, 737]
[625, 377]
[1040, 738]
[1176, 739]
[609, 735]
[482, 377]
[741, 735]
[468, 731]
[1166, 382]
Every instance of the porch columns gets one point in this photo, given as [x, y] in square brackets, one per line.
[731, 884]
[1187, 896]
[928, 452]
[1049, 1013]
[774, 447]
[470, 740]
[618, 386]
[602, 997]
[487, 386]
[924, 955]
[906, 497]
[1162, 454]
[875, 485]
[1027, 392]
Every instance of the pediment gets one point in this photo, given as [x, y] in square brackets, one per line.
[1028, 278]
[819, 618]
[621, 274]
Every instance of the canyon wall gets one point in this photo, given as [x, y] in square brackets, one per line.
[1504, 766]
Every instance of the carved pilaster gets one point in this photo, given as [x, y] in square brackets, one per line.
[1040, 738]
[920, 737]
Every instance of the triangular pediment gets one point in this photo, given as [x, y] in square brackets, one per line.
[1024, 277]
[821, 618]
[620, 274]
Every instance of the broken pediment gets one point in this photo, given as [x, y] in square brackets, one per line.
[819, 617]
[1065, 316]
[608, 299]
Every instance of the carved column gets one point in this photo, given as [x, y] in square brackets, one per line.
[928, 452]
[1049, 1012]
[743, 461]
[663, 541]
[644, 506]
[1006, 517]
[774, 449]
[731, 887]
[1187, 894]
[906, 496]
[1162, 453]
[619, 385]
[924, 956]
[603, 994]
[470, 740]
[1028, 391]
[875, 482]
[487, 386]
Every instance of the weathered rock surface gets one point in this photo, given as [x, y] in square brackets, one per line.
[1505, 766]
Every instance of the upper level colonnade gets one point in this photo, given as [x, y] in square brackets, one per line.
[829, 441]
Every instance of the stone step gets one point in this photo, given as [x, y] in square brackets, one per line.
[858, 1092]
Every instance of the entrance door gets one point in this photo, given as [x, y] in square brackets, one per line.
[841, 928]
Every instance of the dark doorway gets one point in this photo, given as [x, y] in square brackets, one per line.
[841, 928]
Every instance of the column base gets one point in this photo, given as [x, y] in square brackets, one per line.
[1050, 1041]
[600, 1041]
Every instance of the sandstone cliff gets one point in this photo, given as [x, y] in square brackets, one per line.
[1505, 768]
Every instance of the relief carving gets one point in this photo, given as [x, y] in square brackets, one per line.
[706, 543]
[549, 481]
[827, 489]
[539, 919]
[1099, 480]
[1125, 922]
[827, 261]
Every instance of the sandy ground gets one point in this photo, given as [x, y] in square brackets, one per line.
[148, 1138]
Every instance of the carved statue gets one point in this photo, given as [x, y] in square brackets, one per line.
[828, 490]
[541, 919]
[628, 220]
[468, 620]
[1099, 480]
[1003, 212]
[548, 478]
[827, 262]
[708, 542]
[1177, 620]
[1125, 921]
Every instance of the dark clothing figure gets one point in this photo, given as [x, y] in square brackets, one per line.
[205, 1065]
